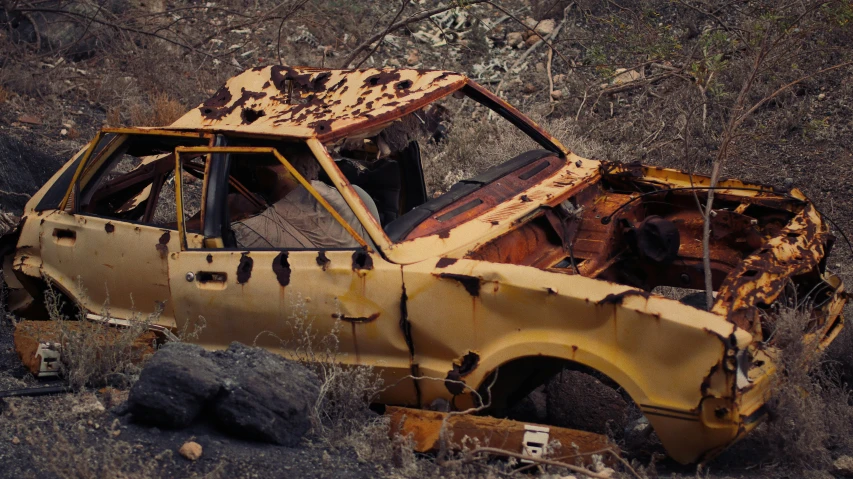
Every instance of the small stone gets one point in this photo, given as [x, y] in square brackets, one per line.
[86, 403]
[530, 88]
[559, 78]
[30, 119]
[626, 76]
[413, 58]
[545, 27]
[557, 94]
[540, 67]
[16, 441]
[843, 466]
[63, 132]
[821, 97]
[514, 39]
[532, 39]
[190, 450]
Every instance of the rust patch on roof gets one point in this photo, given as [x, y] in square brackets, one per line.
[313, 102]
[445, 262]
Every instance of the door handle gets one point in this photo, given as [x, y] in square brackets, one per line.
[208, 277]
[64, 236]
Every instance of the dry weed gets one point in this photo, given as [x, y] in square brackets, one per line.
[159, 110]
[346, 391]
[810, 420]
[97, 353]
[79, 455]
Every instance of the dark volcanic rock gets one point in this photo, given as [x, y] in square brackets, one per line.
[174, 386]
[248, 392]
[580, 401]
[265, 397]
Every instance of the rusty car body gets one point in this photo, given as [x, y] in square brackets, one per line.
[542, 262]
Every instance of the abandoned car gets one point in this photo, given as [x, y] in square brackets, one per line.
[301, 191]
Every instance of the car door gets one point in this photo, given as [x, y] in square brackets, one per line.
[284, 300]
[98, 256]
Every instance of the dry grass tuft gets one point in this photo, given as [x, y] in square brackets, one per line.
[810, 420]
[159, 110]
[95, 353]
[346, 391]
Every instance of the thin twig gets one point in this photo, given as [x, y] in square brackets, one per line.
[384, 34]
[571, 467]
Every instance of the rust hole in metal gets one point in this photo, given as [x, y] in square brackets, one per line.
[471, 284]
[244, 269]
[461, 368]
[162, 244]
[362, 260]
[617, 298]
[109, 227]
[281, 268]
[322, 260]
[209, 258]
[250, 115]
[405, 84]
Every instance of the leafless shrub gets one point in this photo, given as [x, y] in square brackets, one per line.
[810, 418]
[160, 110]
[95, 353]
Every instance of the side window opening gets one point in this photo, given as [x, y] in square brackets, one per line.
[131, 178]
[268, 208]
[419, 167]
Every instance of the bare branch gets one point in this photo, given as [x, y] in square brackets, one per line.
[396, 17]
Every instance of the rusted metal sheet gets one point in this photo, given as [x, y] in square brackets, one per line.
[327, 104]
[467, 431]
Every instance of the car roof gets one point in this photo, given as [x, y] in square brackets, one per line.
[304, 102]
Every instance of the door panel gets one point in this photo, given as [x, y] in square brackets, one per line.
[254, 297]
[124, 262]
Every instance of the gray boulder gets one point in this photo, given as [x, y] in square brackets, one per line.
[264, 397]
[174, 386]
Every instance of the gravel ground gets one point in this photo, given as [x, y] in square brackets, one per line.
[73, 435]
